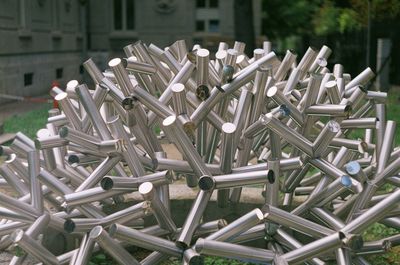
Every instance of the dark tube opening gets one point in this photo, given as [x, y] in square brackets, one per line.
[196, 260]
[271, 176]
[63, 132]
[202, 92]
[124, 62]
[72, 159]
[206, 183]
[181, 244]
[127, 103]
[107, 183]
[69, 226]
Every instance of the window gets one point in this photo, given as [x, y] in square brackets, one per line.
[59, 73]
[207, 3]
[213, 3]
[28, 79]
[207, 16]
[117, 14]
[213, 25]
[200, 3]
[124, 15]
[130, 14]
[200, 25]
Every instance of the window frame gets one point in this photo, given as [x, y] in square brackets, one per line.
[28, 79]
[59, 73]
[207, 4]
[124, 20]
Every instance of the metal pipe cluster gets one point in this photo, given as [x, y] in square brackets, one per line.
[286, 125]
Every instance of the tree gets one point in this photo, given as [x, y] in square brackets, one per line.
[338, 17]
[287, 18]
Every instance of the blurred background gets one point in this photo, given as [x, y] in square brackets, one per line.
[44, 42]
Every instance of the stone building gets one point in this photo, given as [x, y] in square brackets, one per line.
[42, 41]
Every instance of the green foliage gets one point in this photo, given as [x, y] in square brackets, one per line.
[220, 261]
[379, 231]
[346, 20]
[323, 17]
[101, 259]
[379, 9]
[291, 18]
[331, 17]
[326, 20]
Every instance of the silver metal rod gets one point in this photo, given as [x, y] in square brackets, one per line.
[32, 247]
[233, 180]
[314, 249]
[295, 222]
[161, 213]
[229, 232]
[193, 219]
[292, 243]
[241, 78]
[111, 246]
[193, 158]
[234, 251]
[146, 241]
[130, 184]
[288, 133]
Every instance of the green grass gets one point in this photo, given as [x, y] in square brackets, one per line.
[28, 123]
[379, 231]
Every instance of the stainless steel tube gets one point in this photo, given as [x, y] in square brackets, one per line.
[32, 247]
[111, 246]
[314, 249]
[234, 251]
[295, 222]
[193, 219]
[240, 225]
[146, 241]
[161, 213]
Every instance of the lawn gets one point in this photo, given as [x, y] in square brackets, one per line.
[30, 122]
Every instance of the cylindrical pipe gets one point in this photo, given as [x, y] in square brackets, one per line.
[229, 232]
[32, 247]
[111, 246]
[234, 251]
[193, 218]
[143, 240]
[314, 249]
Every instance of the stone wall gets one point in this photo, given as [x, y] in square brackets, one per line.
[40, 41]
[40, 38]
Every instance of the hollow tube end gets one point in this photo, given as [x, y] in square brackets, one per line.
[206, 183]
[107, 183]
[96, 232]
[69, 226]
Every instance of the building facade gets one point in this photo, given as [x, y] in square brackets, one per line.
[42, 41]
